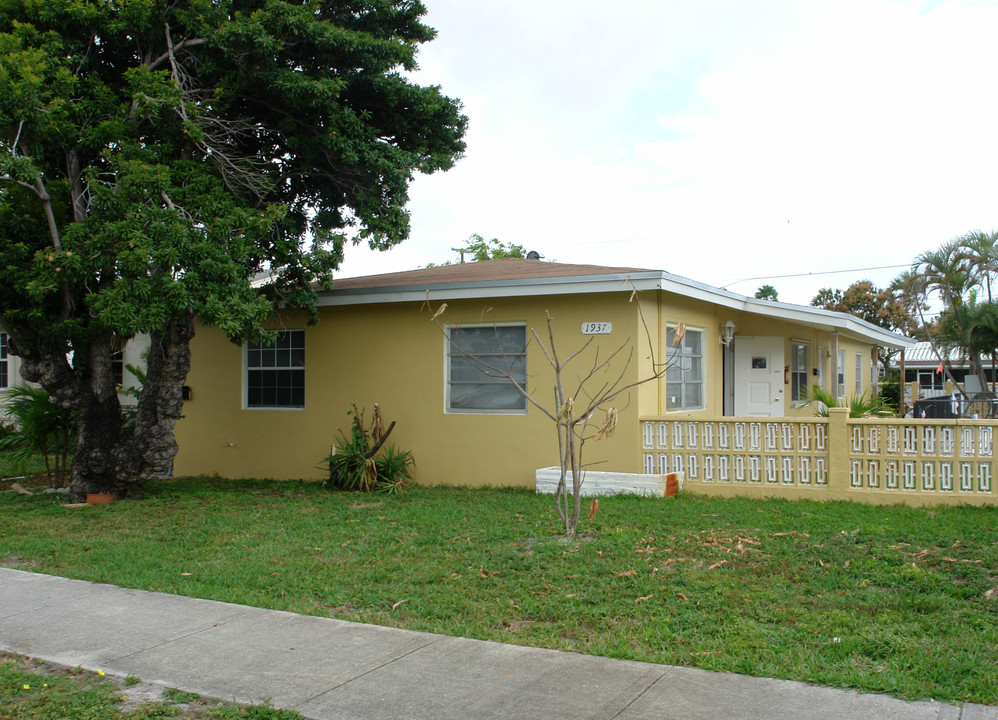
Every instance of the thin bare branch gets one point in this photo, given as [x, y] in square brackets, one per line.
[172, 49]
[17, 138]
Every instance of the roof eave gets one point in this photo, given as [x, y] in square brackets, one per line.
[826, 320]
[571, 285]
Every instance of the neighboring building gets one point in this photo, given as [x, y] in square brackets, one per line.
[922, 365]
[274, 410]
[132, 354]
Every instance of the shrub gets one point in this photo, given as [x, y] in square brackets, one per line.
[39, 427]
[356, 465]
[860, 406]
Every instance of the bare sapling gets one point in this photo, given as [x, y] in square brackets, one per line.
[584, 408]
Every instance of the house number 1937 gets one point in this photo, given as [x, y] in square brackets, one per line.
[596, 328]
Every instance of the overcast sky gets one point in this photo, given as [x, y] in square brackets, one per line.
[728, 141]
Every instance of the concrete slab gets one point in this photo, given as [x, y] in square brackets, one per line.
[21, 591]
[94, 629]
[467, 679]
[691, 694]
[286, 658]
[972, 711]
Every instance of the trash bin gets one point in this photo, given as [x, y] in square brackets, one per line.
[937, 407]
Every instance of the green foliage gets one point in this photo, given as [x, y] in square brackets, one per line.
[356, 463]
[261, 141]
[394, 469]
[155, 156]
[860, 406]
[478, 248]
[38, 427]
[961, 273]
[767, 292]
[179, 696]
[890, 393]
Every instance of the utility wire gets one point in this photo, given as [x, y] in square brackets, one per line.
[822, 272]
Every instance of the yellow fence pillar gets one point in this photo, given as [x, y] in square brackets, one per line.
[838, 453]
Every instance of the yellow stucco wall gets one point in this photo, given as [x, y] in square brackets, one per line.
[709, 318]
[393, 354]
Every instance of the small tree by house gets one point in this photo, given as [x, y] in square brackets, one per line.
[583, 411]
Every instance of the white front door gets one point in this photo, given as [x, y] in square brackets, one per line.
[759, 388]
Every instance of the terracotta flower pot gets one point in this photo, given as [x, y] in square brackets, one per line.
[100, 498]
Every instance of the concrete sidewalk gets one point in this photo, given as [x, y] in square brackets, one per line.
[334, 669]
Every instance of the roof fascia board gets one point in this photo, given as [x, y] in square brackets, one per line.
[826, 320]
[618, 282]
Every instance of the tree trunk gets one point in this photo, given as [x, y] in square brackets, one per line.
[161, 401]
[107, 460]
[98, 466]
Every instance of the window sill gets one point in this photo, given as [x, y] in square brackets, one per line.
[273, 407]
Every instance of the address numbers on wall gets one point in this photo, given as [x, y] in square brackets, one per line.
[596, 328]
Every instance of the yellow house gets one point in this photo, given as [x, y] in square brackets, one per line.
[274, 410]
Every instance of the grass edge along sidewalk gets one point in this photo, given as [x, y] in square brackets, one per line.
[882, 599]
[35, 689]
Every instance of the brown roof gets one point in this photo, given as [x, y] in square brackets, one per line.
[483, 271]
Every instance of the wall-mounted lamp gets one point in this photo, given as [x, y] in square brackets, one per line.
[727, 333]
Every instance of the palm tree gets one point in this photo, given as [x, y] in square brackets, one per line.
[982, 253]
[949, 271]
[39, 427]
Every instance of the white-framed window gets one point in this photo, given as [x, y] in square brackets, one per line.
[930, 380]
[840, 371]
[859, 374]
[684, 387]
[798, 372]
[118, 367]
[4, 364]
[275, 371]
[481, 360]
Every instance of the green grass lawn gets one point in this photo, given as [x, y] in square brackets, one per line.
[883, 599]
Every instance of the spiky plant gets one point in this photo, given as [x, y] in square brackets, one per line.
[860, 406]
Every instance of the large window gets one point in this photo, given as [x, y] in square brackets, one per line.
[275, 371]
[481, 359]
[684, 377]
[3, 360]
[798, 372]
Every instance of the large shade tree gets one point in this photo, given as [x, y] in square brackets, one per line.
[155, 154]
